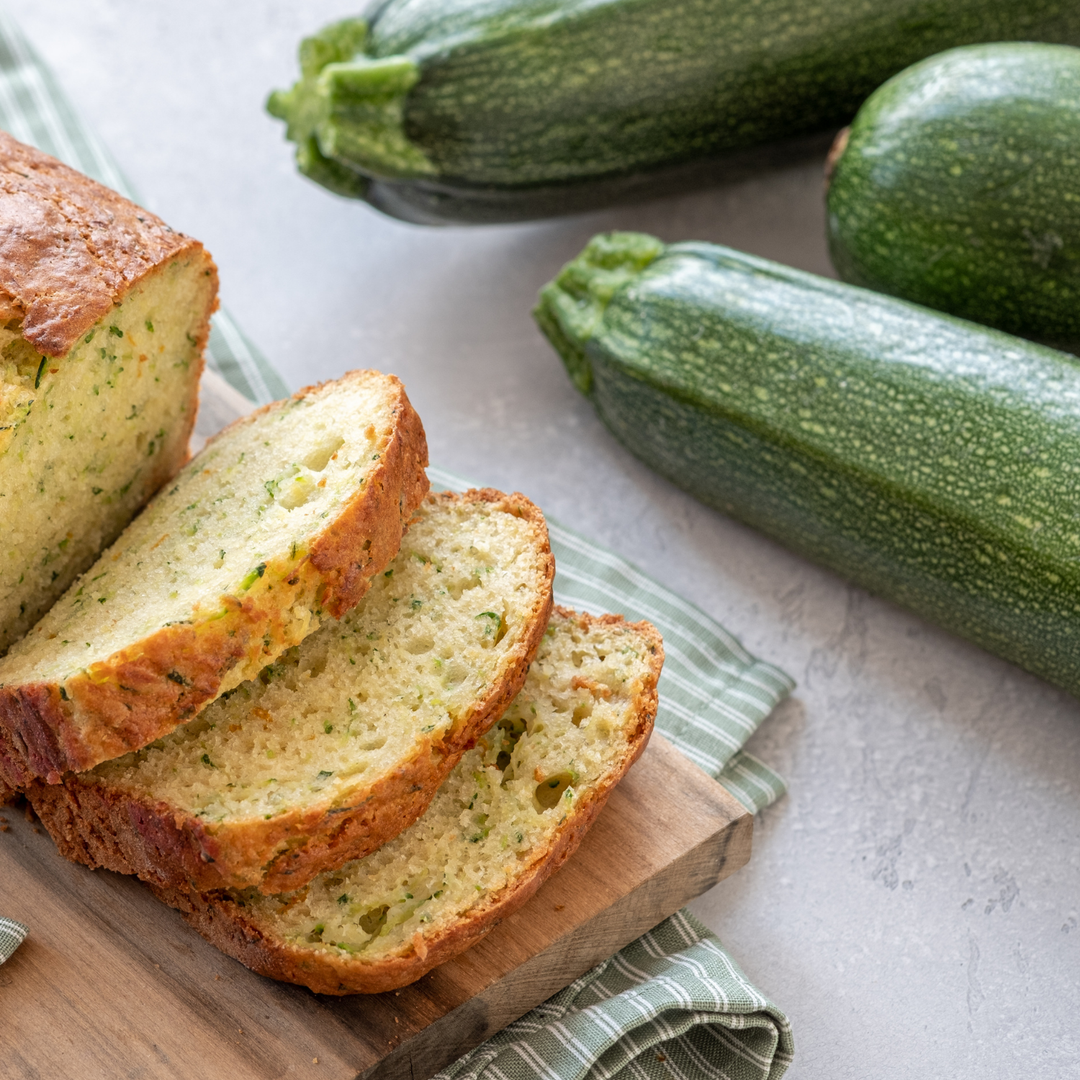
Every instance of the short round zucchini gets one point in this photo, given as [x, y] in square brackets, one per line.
[931, 460]
[959, 188]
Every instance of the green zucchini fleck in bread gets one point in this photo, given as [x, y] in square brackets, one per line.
[282, 519]
[342, 742]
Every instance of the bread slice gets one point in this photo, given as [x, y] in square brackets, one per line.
[104, 314]
[341, 743]
[282, 518]
[512, 811]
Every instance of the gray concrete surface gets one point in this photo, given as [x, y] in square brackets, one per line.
[914, 903]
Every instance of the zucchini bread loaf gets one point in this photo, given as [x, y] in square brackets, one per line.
[104, 314]
[281, 519]
[342, 742]
[512, 811]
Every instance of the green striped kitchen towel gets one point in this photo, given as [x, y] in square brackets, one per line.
[11, 937]
[673, 1004]
[648, 1013]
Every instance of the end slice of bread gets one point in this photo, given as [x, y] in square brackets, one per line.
[104, 315]
[512, 811]
[342, 743]
[282, 519]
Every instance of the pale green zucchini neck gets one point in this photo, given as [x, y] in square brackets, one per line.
[346, 114]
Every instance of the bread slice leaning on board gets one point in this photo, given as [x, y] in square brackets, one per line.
[342, 742]
[104, 315]
[281, 520]
[513, 810]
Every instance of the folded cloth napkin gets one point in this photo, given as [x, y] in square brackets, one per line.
[11, 937]
[673, 1004]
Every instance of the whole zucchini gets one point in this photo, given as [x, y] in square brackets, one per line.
[495, 110]
[959, 188]
[928, 459]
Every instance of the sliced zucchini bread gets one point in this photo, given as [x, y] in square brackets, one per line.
[342, 742]
[104, 314]
[282, 519]
[512, 811]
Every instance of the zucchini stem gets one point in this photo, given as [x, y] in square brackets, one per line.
[572, 306]
[347, 112]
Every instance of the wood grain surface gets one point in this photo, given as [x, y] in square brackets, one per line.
[110, 983]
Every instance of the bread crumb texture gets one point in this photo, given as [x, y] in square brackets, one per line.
[258, 494]
[404, 677]
[582, 717]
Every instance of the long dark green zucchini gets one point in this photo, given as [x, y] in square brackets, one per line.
[958, 187]
[508, 109]
[931, 460]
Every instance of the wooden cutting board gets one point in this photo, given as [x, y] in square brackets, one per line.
[110, 983]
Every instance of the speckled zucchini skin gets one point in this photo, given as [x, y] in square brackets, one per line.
[959, 188]
[439, 108]
[928, 459]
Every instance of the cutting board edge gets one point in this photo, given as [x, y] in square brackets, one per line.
[480, 1017]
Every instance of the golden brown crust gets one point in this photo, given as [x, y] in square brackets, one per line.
[70, 248]
[116, 829]
[222, 920]
[142, 692]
